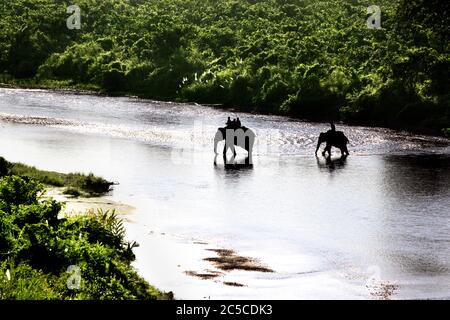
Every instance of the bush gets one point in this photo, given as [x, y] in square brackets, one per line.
[37, 248]
[84, 184]
[446, 131]
[72, 192]
[22, 282]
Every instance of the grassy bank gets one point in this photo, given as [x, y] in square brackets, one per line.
[75, 184]
[44, 256]
[309, 59]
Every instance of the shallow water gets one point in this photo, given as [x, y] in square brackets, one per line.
[327, 229]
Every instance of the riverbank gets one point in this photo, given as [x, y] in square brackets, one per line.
[79, 205]
[64, 87]
[51, 250]
[74, 184]
[207, 263]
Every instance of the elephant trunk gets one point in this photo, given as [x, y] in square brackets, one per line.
[215, 146]
[320, 141]
[318, 146]
[219, 137]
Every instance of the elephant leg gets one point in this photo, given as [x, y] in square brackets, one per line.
[346, 150]
[227, 162]
[250, 152]
[233, 149]
[327, 149]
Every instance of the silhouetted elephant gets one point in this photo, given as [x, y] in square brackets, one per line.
[242, 137]
[335, 139]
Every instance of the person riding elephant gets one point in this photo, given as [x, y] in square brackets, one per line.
[333, 138]
[235, 136]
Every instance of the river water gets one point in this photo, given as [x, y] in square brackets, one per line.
[373, 225]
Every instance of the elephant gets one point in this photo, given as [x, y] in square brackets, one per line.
[242, 137]
[335, 139]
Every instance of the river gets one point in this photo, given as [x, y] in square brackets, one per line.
[378, 221]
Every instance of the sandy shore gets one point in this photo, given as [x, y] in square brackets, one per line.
[205, 261]
[79, 205]
[194, 268]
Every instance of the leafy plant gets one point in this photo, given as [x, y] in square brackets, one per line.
[37, 247]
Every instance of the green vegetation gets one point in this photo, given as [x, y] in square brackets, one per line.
[74, 192]
[312, 59]
[446, 131]
[76, 183]
[37, 247]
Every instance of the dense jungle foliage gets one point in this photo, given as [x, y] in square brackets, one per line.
[37, 246]
[311, 59]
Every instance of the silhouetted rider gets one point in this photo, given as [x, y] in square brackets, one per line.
[333, 127]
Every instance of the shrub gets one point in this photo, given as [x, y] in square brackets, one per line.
[88, 184]
[37, 248]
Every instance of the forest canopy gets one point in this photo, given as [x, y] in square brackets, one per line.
[310, 59]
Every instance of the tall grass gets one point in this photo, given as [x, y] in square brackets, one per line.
[76, 183]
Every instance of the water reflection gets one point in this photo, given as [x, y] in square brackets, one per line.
[331, 164]
[415, 226]
[416, 174]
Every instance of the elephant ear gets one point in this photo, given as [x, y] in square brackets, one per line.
[321, 136]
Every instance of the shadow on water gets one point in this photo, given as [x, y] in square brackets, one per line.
[331, 164]
[417, 193]
[417, 174]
